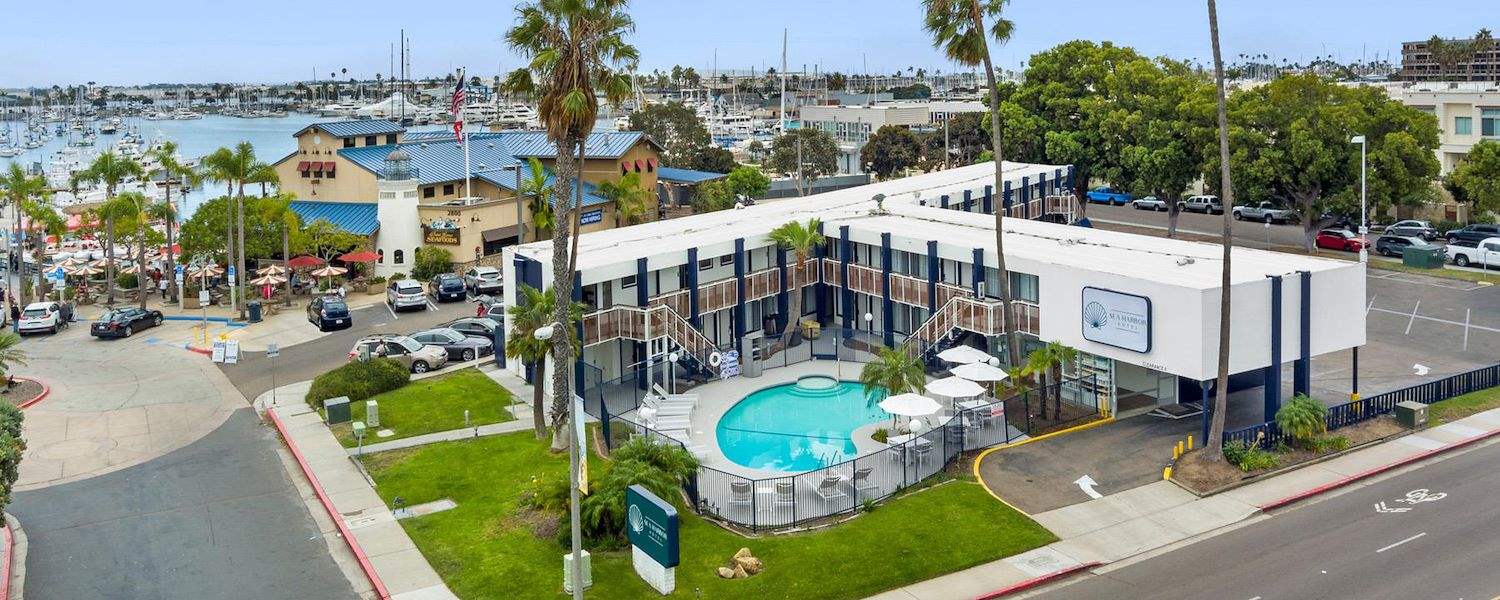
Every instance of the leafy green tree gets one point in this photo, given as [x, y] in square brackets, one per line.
[136, 206]
[532, 310]
[748, 182]
[713, 159]
[277, 211]
[713, 196]
[805, 154]
[630, 199]
[676, 127]
[431, 261]
[891, 150]
[321, 238]
[1478, 177]
[895, 370]
[958, 28]
[12, 446]
[110, 169]
[801, 239]
[575, 52]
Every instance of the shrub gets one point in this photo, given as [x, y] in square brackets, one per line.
[660, 468]
[359, 380]
[11, 448]
[1249, 458]
[398, 276]
[547, 494]
[881, 435]
[1302, 418]
[377, 280]
[431, 261]
[1328, 444]
[125, 281]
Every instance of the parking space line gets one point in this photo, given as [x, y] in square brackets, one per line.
[1413, 318]
[1435, 319]
[1370, 305]
[430, 305]
[1400, 542]
[392, 311]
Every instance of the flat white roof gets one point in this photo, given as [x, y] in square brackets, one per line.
[1168, 261]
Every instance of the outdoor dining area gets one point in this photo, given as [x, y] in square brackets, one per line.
[972, 411]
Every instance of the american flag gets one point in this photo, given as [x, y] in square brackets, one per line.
[457, 109]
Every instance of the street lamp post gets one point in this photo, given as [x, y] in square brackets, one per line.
[1364, 222]
[545, 333]
[672, 371]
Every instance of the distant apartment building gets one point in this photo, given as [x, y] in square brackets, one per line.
[939, 111]
[852, 126]
[1419, 64]
[1466, 114]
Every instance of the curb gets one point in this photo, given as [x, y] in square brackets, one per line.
[203, 351]
[987, 451]
[14, 584]
[1333, 485]
[1036, 581]
[338, 520]
[9, 549]
[46, 390]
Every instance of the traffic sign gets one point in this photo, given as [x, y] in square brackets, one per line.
[231, 270]
[57, 274]
[272, 350]
[180, 270]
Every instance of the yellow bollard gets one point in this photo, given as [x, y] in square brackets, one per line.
[1176, 452]
[1190, 442]
[1179, 448]
[1166, 473]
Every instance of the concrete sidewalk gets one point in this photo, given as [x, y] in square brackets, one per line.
[1133, 522]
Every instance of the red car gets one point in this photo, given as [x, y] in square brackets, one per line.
[1339, 239]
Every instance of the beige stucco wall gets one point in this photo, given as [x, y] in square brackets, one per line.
[349, 184]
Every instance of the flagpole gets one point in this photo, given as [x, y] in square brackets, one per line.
[468, 173]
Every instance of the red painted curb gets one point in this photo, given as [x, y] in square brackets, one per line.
[359, 553]
[1333, 485]
[203, 351]
[1036, 581]
[46, 390]
[10, 557]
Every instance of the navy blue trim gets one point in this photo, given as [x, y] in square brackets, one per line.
[943, 201]
[1273, 372]
[1041, 188]
[820, 289]
[783, 305]
[1057, 177]
[846, 248]
[578, 363]
[1005, 199]
[989, 200]
[1026, 197]
[692, 284]
[979, 272]
[968, 200]
[520, 264]
[887, 306]
[739, 301]
[932, 276]
[642, 292]
[1301, 371]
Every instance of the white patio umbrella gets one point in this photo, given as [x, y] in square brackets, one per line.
[964, 355]
[271, 270]
[910, 405]
[955, 387]
[268, 280]
[328, 271]
[979, 372]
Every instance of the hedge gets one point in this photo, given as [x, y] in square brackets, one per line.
[359, 380]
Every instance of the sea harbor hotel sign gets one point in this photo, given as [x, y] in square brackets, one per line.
[1117, 319]
[651, 524]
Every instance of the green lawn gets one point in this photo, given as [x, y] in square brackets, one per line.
[1463, 406]
[486, 546]
[430, 405]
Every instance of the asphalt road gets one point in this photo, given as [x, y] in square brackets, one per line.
[1254, 235]
[253, 374]
[1343, 547]
[217, 518]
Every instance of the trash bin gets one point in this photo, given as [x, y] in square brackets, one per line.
[1424, 257]
[253, 307]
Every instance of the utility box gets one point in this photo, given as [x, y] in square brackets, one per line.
[372, 413]
[336, 410]
[1424, 257]
[359, 430]
[588, 571]
[1411, 414]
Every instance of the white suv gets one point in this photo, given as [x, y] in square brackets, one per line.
[42, 316]
[482, 280]
[405, 293]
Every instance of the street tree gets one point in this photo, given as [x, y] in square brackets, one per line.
[109, 169]
[748, 182]
[891, 150]
[1478, 177]
[1213, 447]
[805, 155]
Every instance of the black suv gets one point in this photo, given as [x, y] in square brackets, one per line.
[1476, 233]
[447, 286]
[329, 313]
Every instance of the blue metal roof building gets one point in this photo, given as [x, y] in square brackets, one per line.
[439, 158]
[343, 129]
[686, 176]
[358, 218]
[507, 180]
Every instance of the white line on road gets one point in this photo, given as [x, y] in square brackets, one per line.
[1400, 542]
[1435, 319]
[430, 305]
[1466, 329]
[392, 311]
[1413, 317]
[1370, 305]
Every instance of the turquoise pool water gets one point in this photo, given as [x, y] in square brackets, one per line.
[799, 426]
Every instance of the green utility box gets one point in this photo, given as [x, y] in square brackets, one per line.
[1424, 257]
[1411, 414]
[336, 410]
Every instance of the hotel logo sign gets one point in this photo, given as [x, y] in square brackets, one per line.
[1117, 319]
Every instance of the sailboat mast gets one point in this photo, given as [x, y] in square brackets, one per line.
[782, 114]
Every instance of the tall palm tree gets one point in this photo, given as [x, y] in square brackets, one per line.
[234, 168]
[137, 206]
[533, 310]
[575, 49]
[278, 209]
[1213, 447]
[264, 175]
[176, 174]
[110, 169]
[20, 189]
[628, 196]
[534, 185]
[957, 26]
[801, 239]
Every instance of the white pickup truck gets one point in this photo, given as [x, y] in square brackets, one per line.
[1484, 254]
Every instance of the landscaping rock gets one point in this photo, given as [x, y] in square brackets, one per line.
[750, 564]
[726, 572]
[743, 553]
[739, 572]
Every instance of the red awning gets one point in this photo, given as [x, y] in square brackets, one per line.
[624, 167]
[328, 166]
[361, 256]
[304, 261]
[638, 165]
[303, 166]
[650, 164]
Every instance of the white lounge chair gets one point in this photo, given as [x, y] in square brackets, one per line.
[741, 493]
[828, 488]
[861, 481]
[783, 494]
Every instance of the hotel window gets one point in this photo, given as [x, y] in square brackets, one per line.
[727, 259]
[1025, 287]
[705, 264]
[398, 257]
[306, 174]
[429, 191]
[1489, 122]
[348, 142]
[380, 256]
[448, 189]
[627, 282]
[369, 140]
[390, 138]
[1463, 125]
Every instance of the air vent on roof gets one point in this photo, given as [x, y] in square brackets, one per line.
[424, 145]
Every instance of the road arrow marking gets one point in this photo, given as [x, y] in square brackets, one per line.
[1087, 484]
[1380, 507]
[1420, 368]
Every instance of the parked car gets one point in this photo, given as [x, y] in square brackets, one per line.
[418, 357]
[1339, 239]
[1109, 195]
[1413, 228]
[479, 327]
[1476, 233]
[405, 293]
[1150, 203]
[482, 280]
[1395, 245]
[124, 322]
[447, 286]
[460, 347]
[1203, 204]
[1265, 212]
[1484, 254]
[492, 307]
[41, 316]
[329, 313]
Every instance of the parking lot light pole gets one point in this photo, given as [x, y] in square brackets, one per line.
[1364, 223]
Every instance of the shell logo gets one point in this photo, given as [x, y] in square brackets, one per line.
[1095, 315]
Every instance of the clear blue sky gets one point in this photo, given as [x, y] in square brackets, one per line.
[117, 43]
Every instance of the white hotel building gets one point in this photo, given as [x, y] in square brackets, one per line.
[919, 267]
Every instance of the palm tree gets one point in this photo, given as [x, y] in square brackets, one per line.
[278, 209]
[957, 26]
[137, 206]
[801, 239]
[628, 196]
[10, 352]
[177, 174]
[532, 311]
[234, 168]
[263, 174]
[1213, 447]
[1038, 367]
[574, 49]
[109, 169]
[895, 370]
[20, 189]
[1060, 354]
[534, 185]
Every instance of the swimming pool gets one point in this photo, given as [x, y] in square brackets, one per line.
[799, 426]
